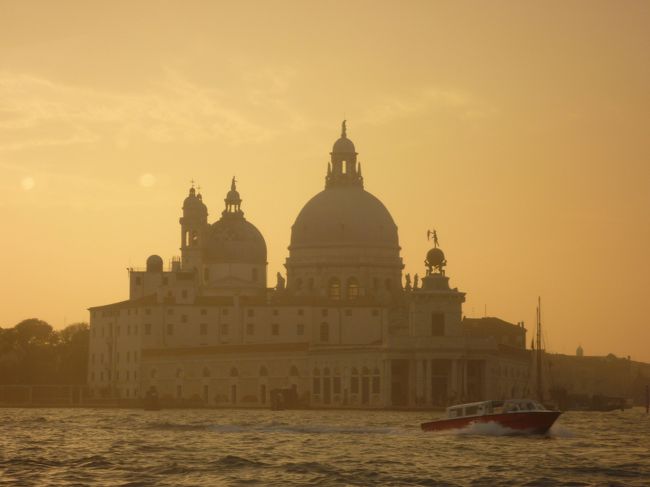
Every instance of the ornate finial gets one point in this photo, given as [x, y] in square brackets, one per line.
[233, 184]
[192, 182]
[343, 129]
[434, 234]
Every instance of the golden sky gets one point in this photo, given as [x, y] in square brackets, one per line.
[519, 130]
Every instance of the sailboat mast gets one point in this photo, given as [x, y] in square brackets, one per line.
[540, 391]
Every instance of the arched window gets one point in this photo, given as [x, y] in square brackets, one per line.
[324, 332]
[298, 284]
[195, 237]
[334, 291]
[264, 371]
[294, 371]
[353, 288]
[365, 371]
[326, 371]
[234, 372]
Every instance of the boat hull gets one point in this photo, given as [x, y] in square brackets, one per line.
[533, 422]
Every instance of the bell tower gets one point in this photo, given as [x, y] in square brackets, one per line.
[194, 224]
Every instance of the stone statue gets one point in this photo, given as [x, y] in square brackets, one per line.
[408, 282]
[416, 281]
[280, 285]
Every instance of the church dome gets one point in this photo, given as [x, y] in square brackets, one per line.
[435, 257]
[233, 239]
[344, 216]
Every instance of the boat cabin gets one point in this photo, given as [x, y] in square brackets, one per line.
[493, 407]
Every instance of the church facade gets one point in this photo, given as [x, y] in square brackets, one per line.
[342, 330]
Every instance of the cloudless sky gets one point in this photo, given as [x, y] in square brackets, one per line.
[519, 130]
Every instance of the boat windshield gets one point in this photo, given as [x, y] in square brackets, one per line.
[522, 405]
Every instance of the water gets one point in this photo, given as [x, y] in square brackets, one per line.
[259, 447]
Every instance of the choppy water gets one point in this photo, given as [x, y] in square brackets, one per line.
[245, 447]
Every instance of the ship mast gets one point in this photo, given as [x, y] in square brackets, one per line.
[540, 390]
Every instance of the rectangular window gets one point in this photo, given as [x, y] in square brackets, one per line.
[147, 328]
[324, 332]
[117, 330]
[92, 376]
[128, 357]
[206, 274]
[250, 329]
[117, 357]
[135, 329]
[316, 386]
[323, 312]
[183, 318]
[275, 329]
[224, 311]
[92, 358]
[204, 312]
[203, 328]
[437, 324]
[348, 312]
[337, 385]
[184, 293]
[127, 375]
[300, 329]
[224, 328]
[135, 356]
[170, 328]
[275, 312]
[165, 281]
[147, 311]
[138, 281]
[301, 312]
[375, 312]
[179, 391]
[354, 385]
[101, 358]
[170, 311]
[250, 312]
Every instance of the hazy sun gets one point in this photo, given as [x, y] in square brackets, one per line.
[147, 180]
[28, 183]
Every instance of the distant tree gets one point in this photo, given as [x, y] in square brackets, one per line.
[72, 352]
[32, 352]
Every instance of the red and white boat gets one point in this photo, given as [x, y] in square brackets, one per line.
[520, 415]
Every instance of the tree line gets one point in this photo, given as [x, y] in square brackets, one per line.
[32, 352]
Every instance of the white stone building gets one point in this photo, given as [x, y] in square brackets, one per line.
[341, 331]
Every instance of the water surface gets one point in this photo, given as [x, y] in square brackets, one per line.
[259, 447]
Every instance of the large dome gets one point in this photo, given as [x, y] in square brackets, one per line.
[344, 216]
[233, 239]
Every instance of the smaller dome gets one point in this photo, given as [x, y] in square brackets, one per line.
[343, 146]
[435, 257]
[154, 263]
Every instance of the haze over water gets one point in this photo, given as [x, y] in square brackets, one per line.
[64, 447]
